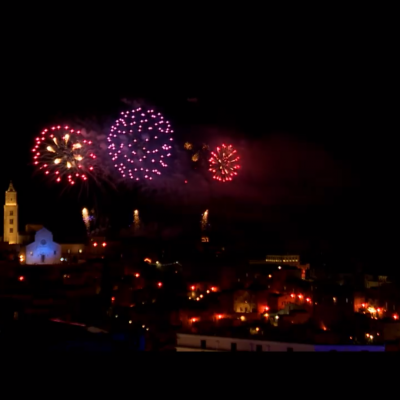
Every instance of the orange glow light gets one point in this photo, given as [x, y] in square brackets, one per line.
[112, 298]
[192, 287]
[213, 289]
[159, 284]
[266, 308]
[147, 260]
[137, 275]
[300, 296]
[94, 244]
[219, 316]
[308, 299]
[378, 309]
[104, 244]
[193, 319]
[363, 305]
[292, 295]
[21, 278]
[395, 316]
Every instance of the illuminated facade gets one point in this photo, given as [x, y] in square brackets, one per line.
[11, 216]
[43, 250]
[293, 260]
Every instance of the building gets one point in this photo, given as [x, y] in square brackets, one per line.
[35, 245]
[73, 252]
[11, 235]
[333, 305]
[284, 260]
[28, 235]
[43, 250]
[293, 260]
[188, 342]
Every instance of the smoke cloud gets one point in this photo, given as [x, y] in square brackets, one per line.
[277, 170]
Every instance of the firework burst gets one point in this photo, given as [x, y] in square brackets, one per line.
[139, 144]
[224, 163]
[64, 155]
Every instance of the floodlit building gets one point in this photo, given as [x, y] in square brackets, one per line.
[43, 250]
[35, 245]
[11, 235]
[284, 260]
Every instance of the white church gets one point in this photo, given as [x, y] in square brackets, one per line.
[36, 245]
[43, 250]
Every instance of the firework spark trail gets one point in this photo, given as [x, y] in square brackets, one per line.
[136, 220]
[204, 221]
[140, 144]
[224, 163]
[86, 219]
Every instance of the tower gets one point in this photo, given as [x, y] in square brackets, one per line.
[11, 216]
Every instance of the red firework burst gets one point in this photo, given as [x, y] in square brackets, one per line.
[224, 163]
[63, 154]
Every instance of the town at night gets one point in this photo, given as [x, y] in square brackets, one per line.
[204, 199]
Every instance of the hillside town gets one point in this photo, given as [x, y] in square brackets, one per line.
[153, 296]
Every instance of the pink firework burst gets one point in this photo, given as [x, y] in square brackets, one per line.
[140, 144]
[224, 163]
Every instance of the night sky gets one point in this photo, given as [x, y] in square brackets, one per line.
[313, 115]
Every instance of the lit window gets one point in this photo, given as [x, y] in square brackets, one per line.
[80, 250]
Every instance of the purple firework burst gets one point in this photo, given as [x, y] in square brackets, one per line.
[140, 144]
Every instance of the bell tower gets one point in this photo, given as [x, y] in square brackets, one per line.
[11, 216]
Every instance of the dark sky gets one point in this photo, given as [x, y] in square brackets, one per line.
[311, 107]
